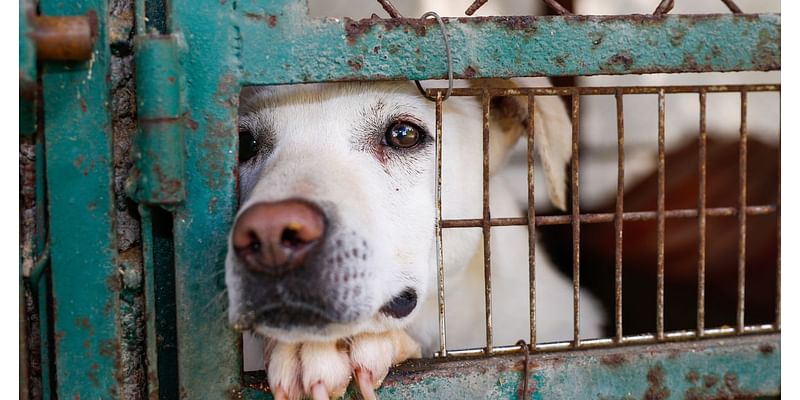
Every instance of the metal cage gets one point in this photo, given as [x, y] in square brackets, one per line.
[102, 319]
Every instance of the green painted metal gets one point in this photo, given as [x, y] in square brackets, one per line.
[742, 367]
[159, 155]
[85, 282]
[279, 44]
[209, 356]
[27, 48]
[27, 71]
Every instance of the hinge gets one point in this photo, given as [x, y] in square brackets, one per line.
[159, 155]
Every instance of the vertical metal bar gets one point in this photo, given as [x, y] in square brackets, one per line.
[618, 217]
[576, 224]
[151, 332]
[660, 221]
[742, 214]
[487, 254]
[701, 218]
[778, 216]
[531, 220]
[84, 271]
[439, 249]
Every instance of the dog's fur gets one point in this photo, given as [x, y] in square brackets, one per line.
[324, 144]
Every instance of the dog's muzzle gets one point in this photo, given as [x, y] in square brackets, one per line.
[297, 268]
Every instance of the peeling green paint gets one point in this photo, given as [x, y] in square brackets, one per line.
[84, 276]
[280, 45]
[713, 368]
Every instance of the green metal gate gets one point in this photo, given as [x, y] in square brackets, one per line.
[113, 323]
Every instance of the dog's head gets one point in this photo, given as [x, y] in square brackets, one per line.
[335, 233]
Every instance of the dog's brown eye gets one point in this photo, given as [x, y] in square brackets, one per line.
[404, 135]
[248, 146]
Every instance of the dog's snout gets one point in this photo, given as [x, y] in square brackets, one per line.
[276, 237]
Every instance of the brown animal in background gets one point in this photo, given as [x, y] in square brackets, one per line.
[681, 243]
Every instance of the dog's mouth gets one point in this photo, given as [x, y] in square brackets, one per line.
[293, 315]
[290, 315]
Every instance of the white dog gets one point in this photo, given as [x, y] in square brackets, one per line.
[332, 255]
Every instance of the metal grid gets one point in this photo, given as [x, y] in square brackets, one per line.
[576, 218]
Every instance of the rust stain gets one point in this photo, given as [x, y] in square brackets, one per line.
[622, 58]
[470, 72]
[693, 376]
[93, 374]
[656, 389]
[84, 107]
[526, 25]
[270, 20]
[355, 64]
[766, 349]
[79, 161]
[613, 360]
[710, 380]
[192, 124]
[354, 29]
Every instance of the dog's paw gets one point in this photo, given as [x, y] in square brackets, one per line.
[323, 370]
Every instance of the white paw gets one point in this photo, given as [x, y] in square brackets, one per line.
[323, 370]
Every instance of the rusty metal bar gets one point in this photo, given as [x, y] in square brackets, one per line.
[531, 219]
[607, 90]
[390, 8]
[558, 7]
[664, 7]
[778, 212]
[701, 218]
[742, 214]
[475, 6]
[597, 218]
[732, 6]
[618, 221]
[439, 248]
[576, 226]
[65, 38]
[486, 225]
[660, 220]
[647, 338]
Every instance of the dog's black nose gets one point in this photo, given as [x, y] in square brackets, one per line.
[276, 237]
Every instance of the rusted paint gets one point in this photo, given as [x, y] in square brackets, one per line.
[613, 360]
[355, 29]
[656, 389]
[355, 64]
[469, 72]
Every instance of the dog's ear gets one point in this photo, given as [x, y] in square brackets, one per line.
[552, 129]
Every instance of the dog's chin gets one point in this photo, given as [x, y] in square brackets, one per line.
[320, 333]
[294, 325]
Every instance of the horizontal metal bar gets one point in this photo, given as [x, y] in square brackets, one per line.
[626, 340]
[596, 218]
[609, 90]
[732, 367]
[279, 44]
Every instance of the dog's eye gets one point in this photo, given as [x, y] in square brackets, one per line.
[404, 135]
[248, 146]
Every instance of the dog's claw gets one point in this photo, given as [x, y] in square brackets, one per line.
[366, 385]
[279, 394]
[318, 391]
[323, 370]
